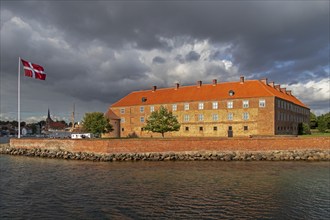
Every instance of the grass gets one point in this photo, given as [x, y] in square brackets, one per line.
[316, 133]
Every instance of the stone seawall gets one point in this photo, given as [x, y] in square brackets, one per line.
[309, 155]
[273, 148]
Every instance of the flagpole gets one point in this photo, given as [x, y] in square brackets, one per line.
[19, 98]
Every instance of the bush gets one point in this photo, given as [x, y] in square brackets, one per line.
[303, 128]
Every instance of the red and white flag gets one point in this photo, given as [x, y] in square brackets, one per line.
[33, 70]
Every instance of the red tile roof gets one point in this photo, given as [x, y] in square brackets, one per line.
[207, 92]
[111, 115]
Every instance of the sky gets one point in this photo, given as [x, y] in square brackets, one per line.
[96, 52]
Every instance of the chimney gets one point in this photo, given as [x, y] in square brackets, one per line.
[271, 84]
[214, 82]
[264, 81]
[241, 79]
[278, 87]
[199, 84]
[289, 92]
[154, 88]
[283, 90]
[177, 85]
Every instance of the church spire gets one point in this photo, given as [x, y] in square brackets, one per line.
[48, 117]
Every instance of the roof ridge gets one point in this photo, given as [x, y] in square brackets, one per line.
[193, 85]
[266, 87]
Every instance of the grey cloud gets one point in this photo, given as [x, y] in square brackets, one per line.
[192, 56]
[261, 34]
[179, 58]
[158, 59]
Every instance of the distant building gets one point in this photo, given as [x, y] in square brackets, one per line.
[242, 108]
[53, 125]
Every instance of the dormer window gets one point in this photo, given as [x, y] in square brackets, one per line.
[144, 99]
[231, 92]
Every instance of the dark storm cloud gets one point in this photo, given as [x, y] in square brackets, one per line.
[158, 59]
[94, 50]
[192, 56]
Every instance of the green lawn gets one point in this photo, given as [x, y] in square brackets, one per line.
[316, 134]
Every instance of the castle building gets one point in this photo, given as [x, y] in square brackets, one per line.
[228, 109]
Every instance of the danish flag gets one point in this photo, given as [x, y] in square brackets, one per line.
[33, 70]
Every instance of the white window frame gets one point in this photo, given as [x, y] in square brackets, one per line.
[230, 116]
[215, 105]
[262, 103]
[142, 119]
[186, 106]
[141, 109]
[245, 103]
[201, 106]
[230, 104]
[174, 107]
[122, 120]
[152, 108]
[122, 111]
[246, 116]
[215, 117]
[200, 117]
[186, 118]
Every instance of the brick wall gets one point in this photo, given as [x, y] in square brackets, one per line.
[174, 144]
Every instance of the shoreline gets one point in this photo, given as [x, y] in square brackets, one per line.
[278, 155]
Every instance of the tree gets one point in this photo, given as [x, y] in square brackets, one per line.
[322, 124]
[313, 121]
[162, 121]
[96, 123]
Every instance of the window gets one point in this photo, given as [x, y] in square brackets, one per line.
[230, 104]
[215, 128]
[174, 107]
[186, 128]
[245, 103]
[152, 108]
[230, 116]
[186, 118]
[246, 116]
[142, 119]
[142, 129]
[262, 103]
[200, 106]
[122, 111]
[186, 106]
[141, 109]
[215, 117]
[214, 105]
[246, 128]
[200, 117]
[122, 120]
[122, 129]
[200, 128]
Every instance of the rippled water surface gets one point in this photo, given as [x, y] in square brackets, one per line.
[35, 188]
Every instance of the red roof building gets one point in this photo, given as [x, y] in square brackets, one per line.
[242, 108]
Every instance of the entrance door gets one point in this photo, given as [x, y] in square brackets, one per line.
[230, 131]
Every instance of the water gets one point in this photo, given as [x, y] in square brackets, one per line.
[35, 188]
